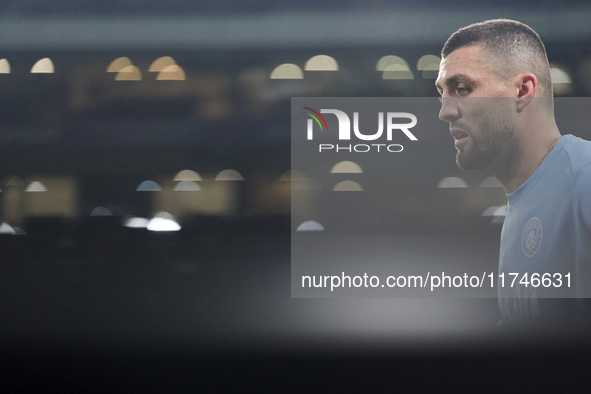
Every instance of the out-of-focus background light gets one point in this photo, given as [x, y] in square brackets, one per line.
[187, 175]
[148, 186]
[321, 63]
[187, 186]
[229, 175]
[310, 225]
[5, 228]
[394, 67]
[36, 186]
[390, 60]
[163, 222]
[346, 167]
[171, 73]
[43, 66]
[129, 73]
[161, 63]
[499, 214]
[397, 71]
[101, 211]
[118, 64]
[135, 222]
[429, 65]
[287, 71]
[452, 182]
[4, 66]
[347, 186]
[561, 80]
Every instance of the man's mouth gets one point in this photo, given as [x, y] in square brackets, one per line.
[460, 137]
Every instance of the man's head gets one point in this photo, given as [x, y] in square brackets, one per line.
[497, 61]
[509, 48]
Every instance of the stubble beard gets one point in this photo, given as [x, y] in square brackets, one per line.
[493, 137]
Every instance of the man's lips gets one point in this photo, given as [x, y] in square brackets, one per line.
[460, 137]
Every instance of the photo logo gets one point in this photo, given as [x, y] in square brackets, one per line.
[316, 119]
[392, 121]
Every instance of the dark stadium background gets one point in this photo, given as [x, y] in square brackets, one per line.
[85, 301]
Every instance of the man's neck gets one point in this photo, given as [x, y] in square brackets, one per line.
[519, 161]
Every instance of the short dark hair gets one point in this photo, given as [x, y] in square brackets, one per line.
[514, 47]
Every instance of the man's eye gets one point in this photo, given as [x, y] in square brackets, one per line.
[462, 91]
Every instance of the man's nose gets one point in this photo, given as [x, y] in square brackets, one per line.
[449, 109]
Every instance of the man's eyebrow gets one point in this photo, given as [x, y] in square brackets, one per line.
[455, 79]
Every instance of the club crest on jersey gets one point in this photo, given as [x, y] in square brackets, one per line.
[531, 238]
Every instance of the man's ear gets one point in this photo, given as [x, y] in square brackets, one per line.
[527, 86]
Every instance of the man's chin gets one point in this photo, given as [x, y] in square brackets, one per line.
[468, 162]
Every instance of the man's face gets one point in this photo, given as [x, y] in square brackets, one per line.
[477, 107]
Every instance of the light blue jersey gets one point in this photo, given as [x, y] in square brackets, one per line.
[546, 238]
